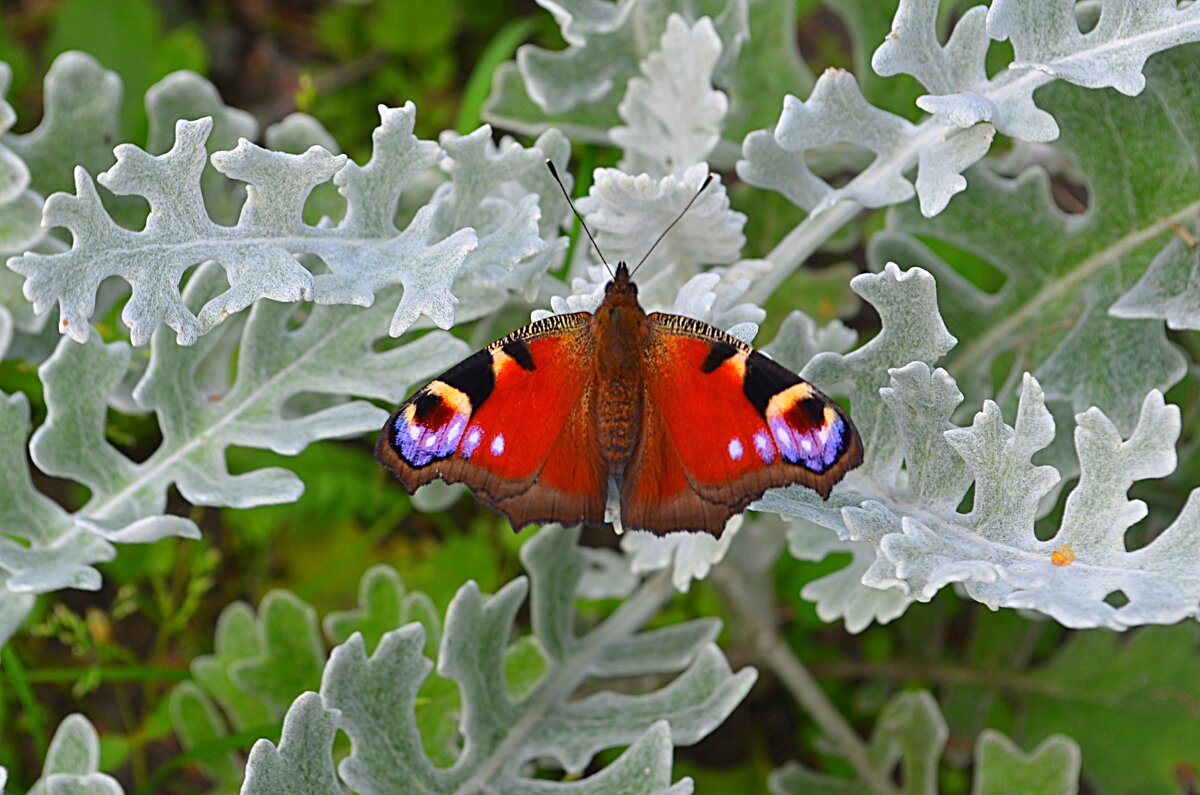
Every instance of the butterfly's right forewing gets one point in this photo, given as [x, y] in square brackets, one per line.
[514, 422]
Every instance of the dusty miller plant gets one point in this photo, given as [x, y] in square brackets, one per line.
[1057, 376]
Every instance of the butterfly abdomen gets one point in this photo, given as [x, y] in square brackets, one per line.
[619, 411]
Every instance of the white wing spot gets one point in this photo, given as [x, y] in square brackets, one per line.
[498, 444]
[735, 449]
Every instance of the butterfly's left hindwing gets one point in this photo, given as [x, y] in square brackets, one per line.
[513, 422]
[721, 425]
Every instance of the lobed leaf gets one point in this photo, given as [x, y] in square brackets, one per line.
[506, 734]
[966, 106]
[262, 662]
[673, 115]
[1166, 291]
[303, 762]
[72, 763]
[20, 211]
[578, 89]
[384, 605]
[204, 405]
[1047, 38]
[627, 213]
[1050, 769]
[1062, 274]
[910, 736]
[918, 466]
[364, 253]
[80, 120]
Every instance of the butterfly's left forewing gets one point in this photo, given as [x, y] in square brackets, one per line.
[514, 422]
[721, 425]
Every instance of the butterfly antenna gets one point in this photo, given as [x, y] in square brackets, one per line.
[583, 223]
[678, 218]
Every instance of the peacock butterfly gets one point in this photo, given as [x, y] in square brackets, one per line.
[690, 423]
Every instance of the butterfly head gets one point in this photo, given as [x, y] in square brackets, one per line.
[621, 283]
[621, 299]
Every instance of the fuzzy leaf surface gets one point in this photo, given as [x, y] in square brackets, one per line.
[73, 762]
[204, 404]
[579, 89]
[1063, 272]
[504, 733]
[364, 253]
[627, 213]
[673, 116]
[966, 106]
[918, 466]
[265, 659]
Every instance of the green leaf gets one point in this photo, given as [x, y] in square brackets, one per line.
[237, 640]
[909, 738]
[1050, 769]
[1105, 691]
[197, 723]
[290, 656]
[383, 606]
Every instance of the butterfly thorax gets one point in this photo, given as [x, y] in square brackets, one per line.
[620, 326]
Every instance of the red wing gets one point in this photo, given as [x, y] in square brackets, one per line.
[721, 424]
[514, 422]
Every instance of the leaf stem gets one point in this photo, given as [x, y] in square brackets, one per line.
[778, 656]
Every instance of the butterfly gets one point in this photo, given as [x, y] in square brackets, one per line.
[688, 423]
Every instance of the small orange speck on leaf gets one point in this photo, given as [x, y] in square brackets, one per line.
[1063, 556]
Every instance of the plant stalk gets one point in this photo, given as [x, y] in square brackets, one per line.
[774, 651]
